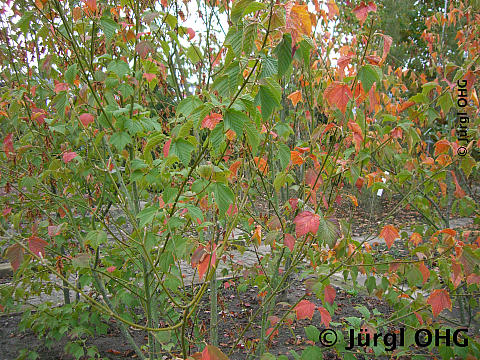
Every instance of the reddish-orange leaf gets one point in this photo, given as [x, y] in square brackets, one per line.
[396, 133]
[305, 309]
[213, 353]
[338, 94]
[306, 222]
[8, 144]
[37, 245]
[359, 183]
[261, 164]
[298, 21]
[86, 119]
[362, 10]
[59, 87]
[419, 318]
[332, 9]
[296, 158]
[329, 293]
[295, 97]
[111, 269]
[425, 272]
[405, 105]
[389, 233]
[149, 77]
[234, 168]
[198, 255]
[459, 193]
[69, 156]
[473, 279]
[92, 5]
[441, 146]
[357, 133]
[439, 300]
[230, 134]
[191, 33]
[143, 48]
[166, 148]
[415, 238]
[354, 200]
[325, 316]
[387, 43]
[15, 255]
[289, 241]
[447, 231]
[211, 120]
[204, 265]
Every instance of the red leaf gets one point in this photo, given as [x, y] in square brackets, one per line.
[439, 300]
[59, 87]
[359, 183]
[191, 33]
[295, 158]
[329, 294]
[166, 147]
[306, 222]
[441, 146]
[362, 10]
[425, 272]
[389, 233]
[338, 94]
[269, 331]
[111, 269]
[15, 254]
[305, 309]
[213, 353]
[211, 120]
[86, 119]
[69, 156]
[387, 43]
[289, 241]
[149, 77]
[325, 315]
[37, 245]
[205, 263]
[143, 48]
[419, 317]
[8, 144]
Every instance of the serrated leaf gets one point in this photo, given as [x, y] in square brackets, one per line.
[369, 75]
[223, 197]
[283, 155]
[120, 140]
[268, 101]
[70, 74]
[95, 238]
[109, 27]
[284, 54]
[188, 105]
[147, 215]
[253, 136]
[234, 120]
[183, 150]
[14, 254]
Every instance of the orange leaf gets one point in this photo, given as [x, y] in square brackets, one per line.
[459, 193]
[230, 134]
[405, 105]
[289, 241]
[441, 146]
[298, 21]
[338, 94]
[15, 254]
[332, 9]
[234, 168]
[210, 121]
[149, 77]
[213, 353]
[325, 316]
[257, 235]
[362, 10]
[354, 199]
[92, 5]
[329, 293]
[261, 164]
[305, 309]
[296, 158]
[306, 222]
[59, 87]
[295, 97]
[387, 43]
[425, 272]
[415, 238]
[37, 245]
[439, 300]
[389, 233]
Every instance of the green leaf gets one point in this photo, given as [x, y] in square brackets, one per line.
[312, 333]
[188, 105]
[24, 22]
[183, 150]
[253, 7]
[445, 102]
[283, 155]
[329, 231]
[61, 102]
[119, 67]
[253, 136]
[368, 75]
[217, 136]
[249, 36]
[284, 54]
[312, 353]
[467, 165]
[371, 284]
[223, 197]
[238, 9]
[194, 54]
[71, 73]
[234, 120]
[147, 215]
[269, 66]
[268, 101]
[95, 238]
[109, 27]
[279, 181]
[120, 140]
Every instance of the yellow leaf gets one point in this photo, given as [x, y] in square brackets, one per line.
[257, 235]
[298, 21]
[295, 97]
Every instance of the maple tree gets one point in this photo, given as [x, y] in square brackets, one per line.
[136, 148]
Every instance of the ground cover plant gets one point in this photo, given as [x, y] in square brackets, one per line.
[149, 147]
